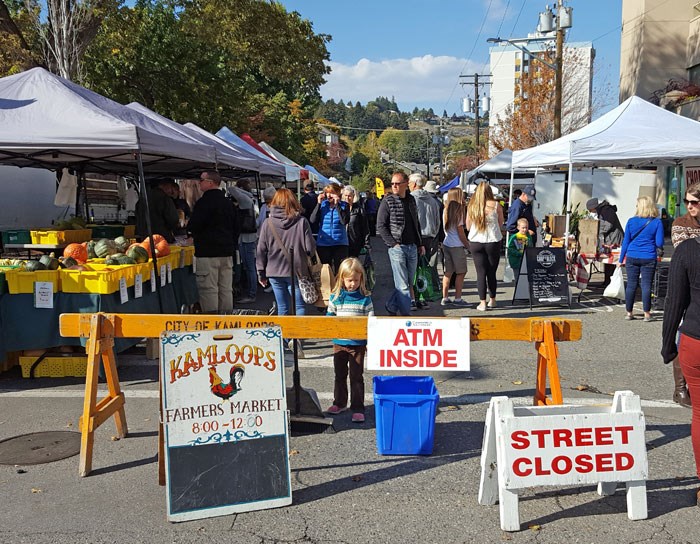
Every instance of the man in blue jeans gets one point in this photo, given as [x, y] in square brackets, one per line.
[248, 238]
[397, 224]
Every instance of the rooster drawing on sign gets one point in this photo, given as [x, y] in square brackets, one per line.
[222, 390]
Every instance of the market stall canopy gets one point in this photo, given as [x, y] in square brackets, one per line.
[291, 169]
[471, 187]
[316, 176]
[449, 185]
[636, 133]
[266, 165]
[227, 157]
[280, 157]
[49, 122]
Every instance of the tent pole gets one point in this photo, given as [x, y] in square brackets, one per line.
[678, 191]
[510, 202]
[568, 207]
[144, 196]
[257, 187]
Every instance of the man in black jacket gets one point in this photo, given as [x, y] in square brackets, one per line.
[610, 231]
[214, 229]
[397, 224]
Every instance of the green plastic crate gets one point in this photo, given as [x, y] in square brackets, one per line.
[16, 237]
[107, 231]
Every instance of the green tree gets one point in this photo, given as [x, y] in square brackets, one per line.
[246, 64]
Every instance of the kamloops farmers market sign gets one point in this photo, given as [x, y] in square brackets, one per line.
[225, 421]
[563, 445]
[418, 344]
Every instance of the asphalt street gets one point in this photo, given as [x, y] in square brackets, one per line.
[343, 490]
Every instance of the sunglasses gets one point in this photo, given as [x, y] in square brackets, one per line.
[398, 184]
[691, 202]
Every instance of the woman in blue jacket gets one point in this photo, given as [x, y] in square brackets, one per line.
[332, 215]
[644, 235]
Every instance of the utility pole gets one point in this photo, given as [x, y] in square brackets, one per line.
[427, 151]
[558, 72]
[476, 106]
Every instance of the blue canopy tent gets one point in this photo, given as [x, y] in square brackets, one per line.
[449, 185]
[320, 178]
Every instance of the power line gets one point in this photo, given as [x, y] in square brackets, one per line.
[374, 129]
[476, 40]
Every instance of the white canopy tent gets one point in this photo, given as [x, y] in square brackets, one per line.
[636, 133]
[49, 122]
[227, 157]
[267, 165]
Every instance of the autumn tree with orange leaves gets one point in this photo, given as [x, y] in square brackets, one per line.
[529, 121]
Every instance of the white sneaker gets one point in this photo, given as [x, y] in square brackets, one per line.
[445, 301]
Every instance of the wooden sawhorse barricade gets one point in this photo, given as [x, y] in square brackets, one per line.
[101, 329]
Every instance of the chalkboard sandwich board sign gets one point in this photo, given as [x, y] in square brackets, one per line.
[224, 412]
[542, 277]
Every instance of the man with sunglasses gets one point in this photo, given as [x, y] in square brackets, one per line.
[397, 224]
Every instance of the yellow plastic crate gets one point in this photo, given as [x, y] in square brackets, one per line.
[57, 237]
[98, 280]
[19, 282]
[55, 366]
[189, 255]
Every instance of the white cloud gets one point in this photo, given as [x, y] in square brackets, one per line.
[426, 81]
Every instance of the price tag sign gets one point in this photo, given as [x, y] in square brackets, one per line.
[182, 258]
[123, 293]
[43, 294]
[170, 273]
[194, 265]
[153, 281]
[163, 275]
[138, 286]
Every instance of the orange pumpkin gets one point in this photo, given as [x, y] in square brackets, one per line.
[79, 252]
[162, 248]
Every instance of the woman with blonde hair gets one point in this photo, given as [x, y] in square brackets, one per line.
[484, 222]
[453, 247]
[644, 237]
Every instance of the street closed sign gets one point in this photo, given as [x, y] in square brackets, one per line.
[418, 344]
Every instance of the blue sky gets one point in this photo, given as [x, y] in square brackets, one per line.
[415, 50]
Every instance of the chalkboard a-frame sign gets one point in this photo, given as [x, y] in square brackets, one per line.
[225, 422]
[542, 278]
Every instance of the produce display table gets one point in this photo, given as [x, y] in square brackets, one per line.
[24, 327]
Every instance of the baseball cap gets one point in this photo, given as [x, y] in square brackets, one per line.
[529, 190]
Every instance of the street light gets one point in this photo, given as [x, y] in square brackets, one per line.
[563, 19]
[454, 153]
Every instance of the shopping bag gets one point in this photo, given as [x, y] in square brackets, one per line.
[423, 283]
[616, 287]
[327, 285]
[508, 274]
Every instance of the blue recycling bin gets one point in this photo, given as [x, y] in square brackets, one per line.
[405, 409]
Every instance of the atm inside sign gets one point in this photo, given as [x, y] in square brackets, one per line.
[418, 344]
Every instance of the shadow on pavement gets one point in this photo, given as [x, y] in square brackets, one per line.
[456, 441]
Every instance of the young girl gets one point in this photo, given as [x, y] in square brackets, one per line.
[349, 298]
